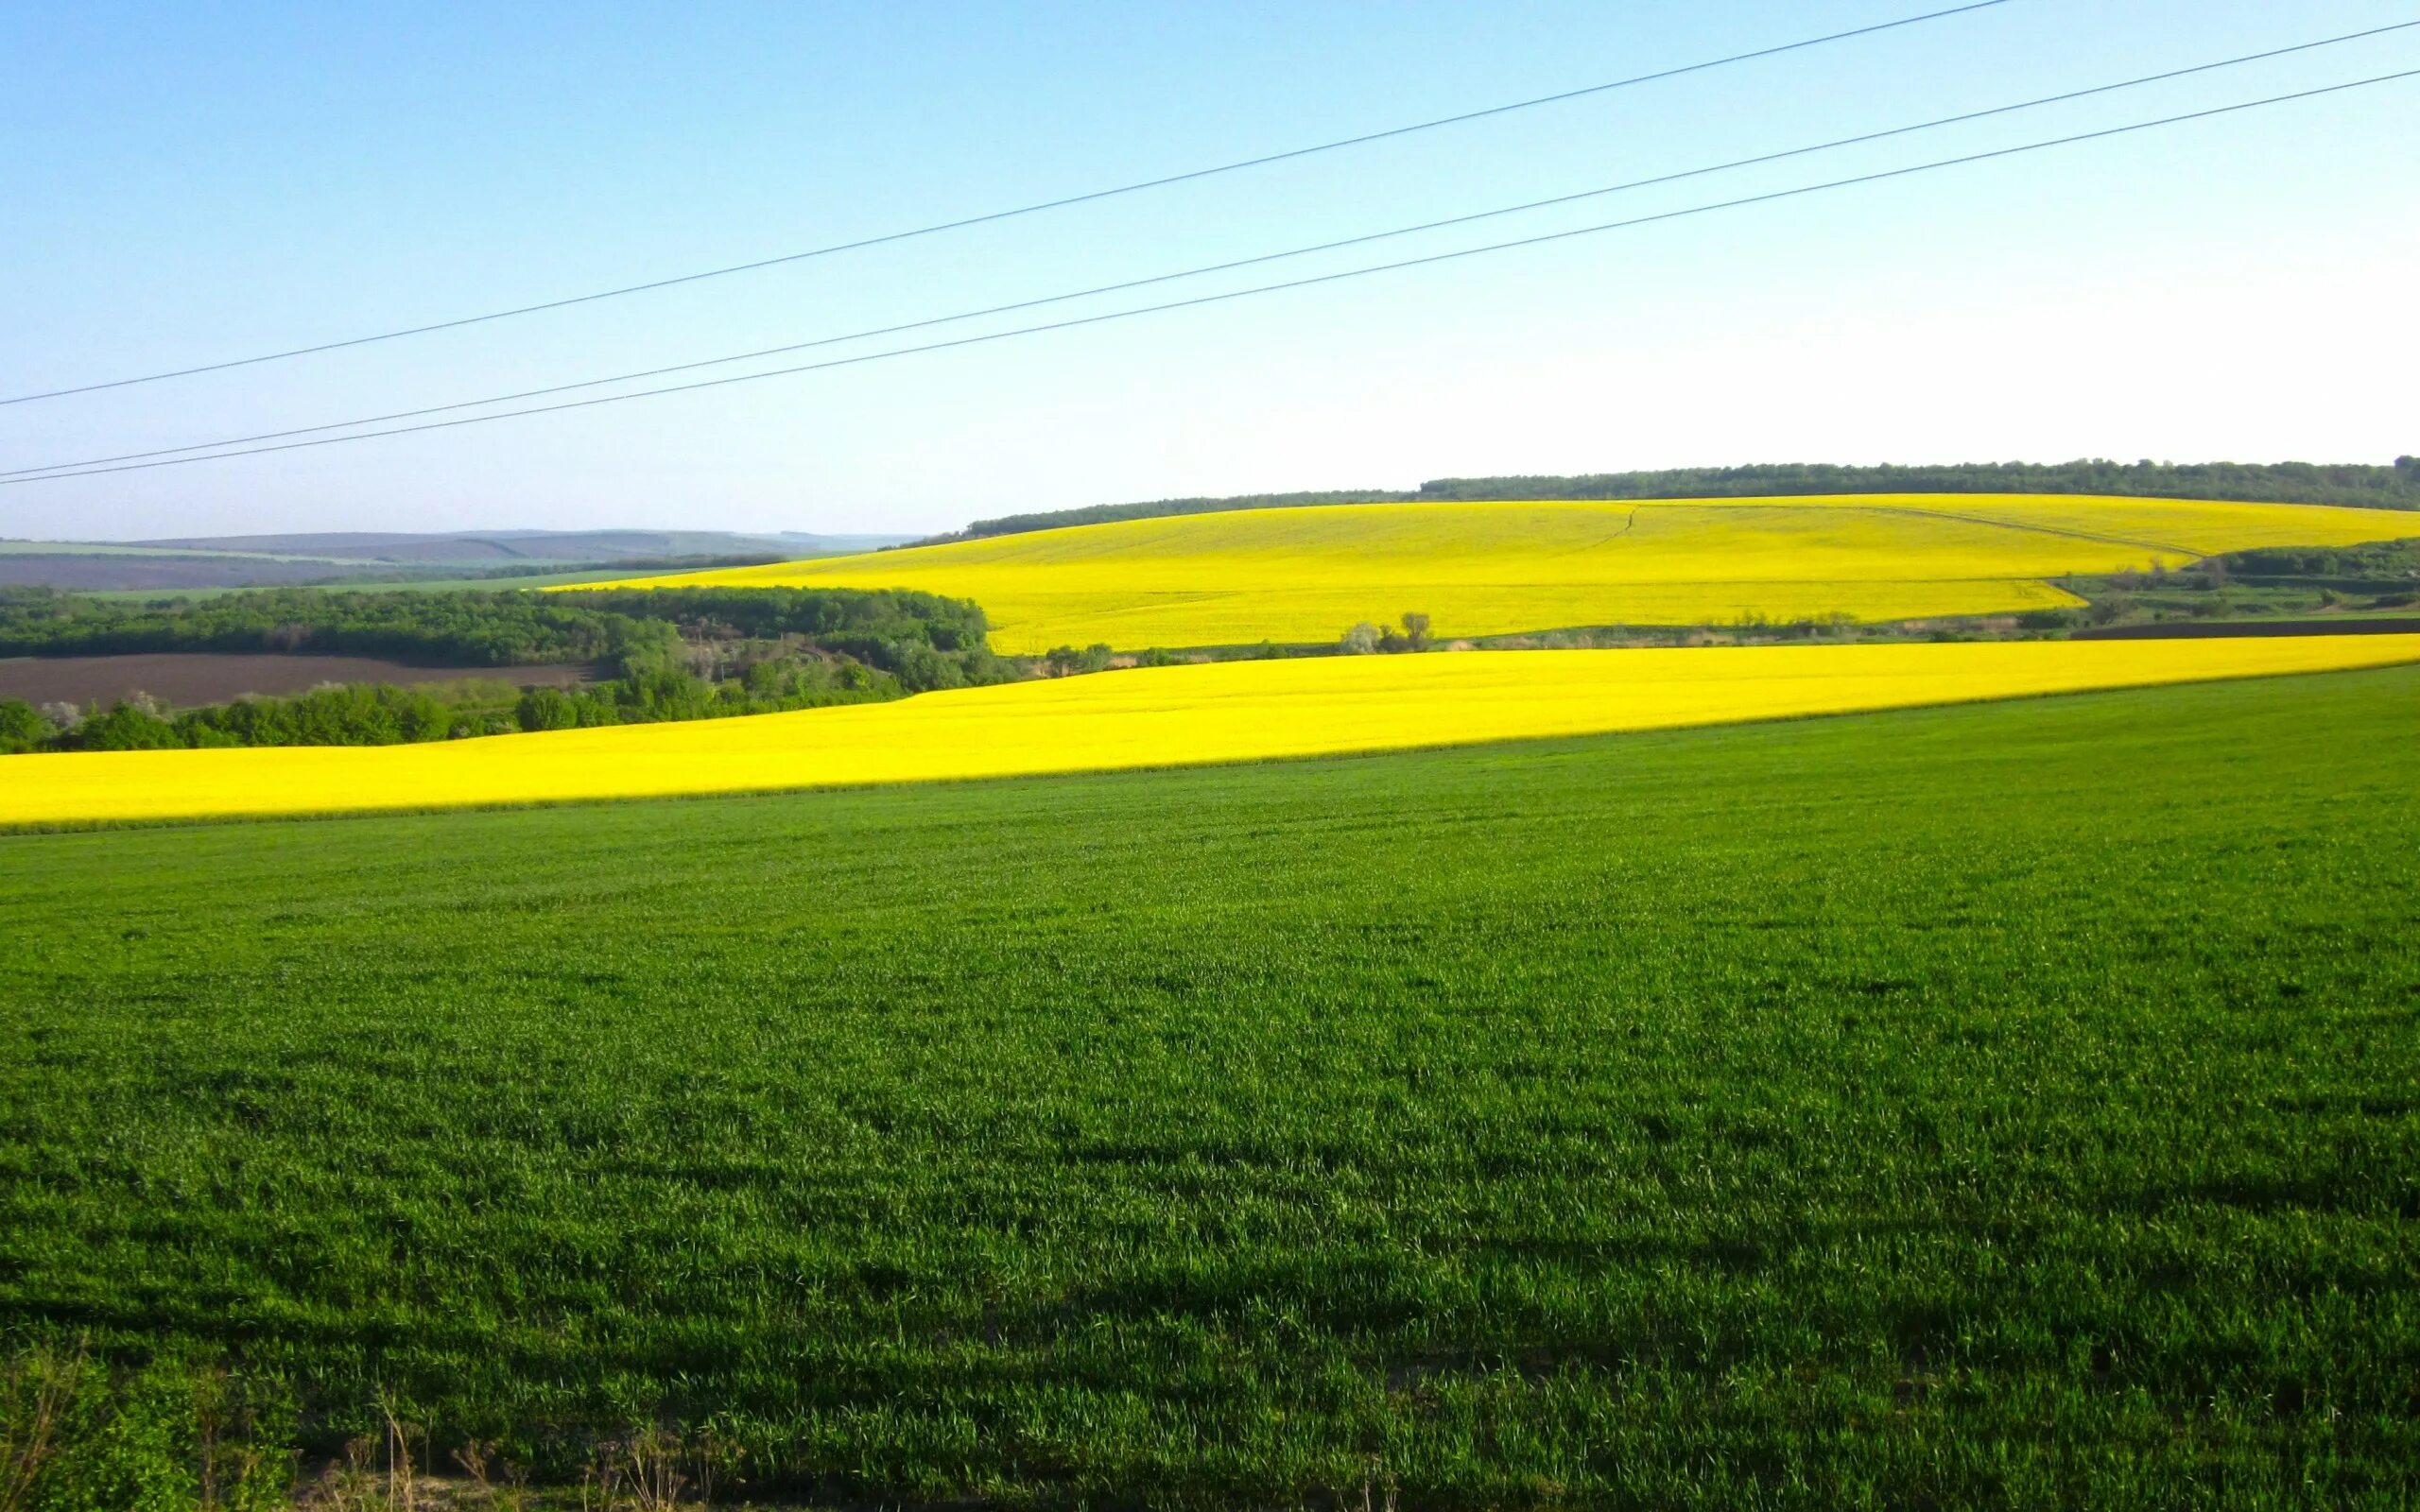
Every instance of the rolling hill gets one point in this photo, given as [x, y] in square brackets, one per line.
[1306, 574]
[335, 557]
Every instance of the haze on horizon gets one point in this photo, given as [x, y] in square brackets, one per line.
[202, 185]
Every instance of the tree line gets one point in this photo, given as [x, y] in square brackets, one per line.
[385, 714]
[2384, 564]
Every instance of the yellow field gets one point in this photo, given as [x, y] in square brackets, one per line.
[1301, 575]
[1236, 711]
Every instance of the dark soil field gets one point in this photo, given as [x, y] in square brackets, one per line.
[188, 678]
[2007, 1106]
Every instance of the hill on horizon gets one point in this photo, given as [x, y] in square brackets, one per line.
[2354, 485]
[476, 547]
[172, 563]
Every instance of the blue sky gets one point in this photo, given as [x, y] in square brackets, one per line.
[187, 182]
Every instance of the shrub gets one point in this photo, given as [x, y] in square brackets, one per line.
[168, 1437]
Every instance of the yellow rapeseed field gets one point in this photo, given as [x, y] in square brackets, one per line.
[1301, 575]
[1236, 711]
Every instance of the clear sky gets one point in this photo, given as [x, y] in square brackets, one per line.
[185, 182]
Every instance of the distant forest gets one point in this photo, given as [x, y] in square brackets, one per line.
[635, 629]
[700, 653]
[2356, 484]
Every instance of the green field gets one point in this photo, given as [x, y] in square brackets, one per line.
[374, 585]
[2008, 1105]
[12, 547]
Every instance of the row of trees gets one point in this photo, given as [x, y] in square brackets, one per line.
[351, 715]
[2380, 487]
[385, 714]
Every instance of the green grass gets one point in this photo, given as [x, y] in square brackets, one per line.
[2133, 598]
[2011, 1105]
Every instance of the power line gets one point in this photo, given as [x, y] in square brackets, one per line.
[1088, 197]
[1220, 268]
[1799, 191]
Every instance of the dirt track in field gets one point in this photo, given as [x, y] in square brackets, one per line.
[186, 679]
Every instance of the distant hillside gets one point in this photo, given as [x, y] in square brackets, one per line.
[335, 557]
[2350, 484]
[493, 548]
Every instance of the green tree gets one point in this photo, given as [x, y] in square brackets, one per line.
[1066, 660]
[127, 726]
[548, 708]
[22, 727]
